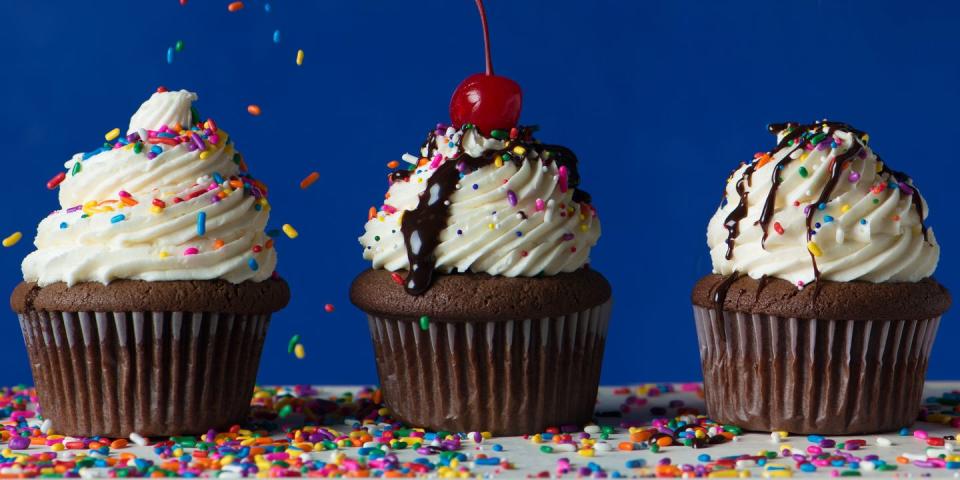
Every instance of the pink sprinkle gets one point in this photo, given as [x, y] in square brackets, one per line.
[540, 205]
[921, 434]
[436, 161]
[124, 194]
[191, 251]
[389, 209]
[563, 179]
[854, 177]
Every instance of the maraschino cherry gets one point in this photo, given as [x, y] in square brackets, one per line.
[488, 101]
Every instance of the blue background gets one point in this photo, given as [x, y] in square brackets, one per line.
[660, 99]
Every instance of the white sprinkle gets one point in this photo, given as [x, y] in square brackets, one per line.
[45, 426]
[602, 447]
[884, 441]
[591, 429]
[564, 447]
[775, 437]
[406, 157]
[138, 439]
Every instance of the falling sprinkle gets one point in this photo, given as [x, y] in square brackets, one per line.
[12, 239]
[290, 231]
[276, 36]
[170, 55]
[178, 47]
[266, 7]
[56, 180]
[299, 351]
[253, 110]
[299, 57]
[309, 180]
[235, 6]
[294, 340]
[112, 135]
[328, 308]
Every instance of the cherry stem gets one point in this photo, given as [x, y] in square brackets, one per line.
[486, 36]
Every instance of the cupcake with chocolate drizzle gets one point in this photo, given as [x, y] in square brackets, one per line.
[822, 308]
[483, 310]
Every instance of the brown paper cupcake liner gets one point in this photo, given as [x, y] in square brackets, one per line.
[769, 373]
[153, 373]
[508, 377]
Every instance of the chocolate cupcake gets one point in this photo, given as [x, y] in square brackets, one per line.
[500, 324]
[821, 311]
[146, 303]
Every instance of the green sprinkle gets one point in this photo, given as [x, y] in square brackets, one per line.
[138, 147]
[76, 169]
[803, 172]
[285, 411]
[546, 449]
[499, 134]
[179, 46]
[294, 340]
[819, 138]
[655, 448]
[424, 323]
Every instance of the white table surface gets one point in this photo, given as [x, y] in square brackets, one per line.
[527, 459]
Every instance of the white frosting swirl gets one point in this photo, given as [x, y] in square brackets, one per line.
[112, 225]
[504, 219]
[868, 229]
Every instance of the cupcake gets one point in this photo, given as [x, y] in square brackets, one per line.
[145, 305]
[822, 308]
[484, 313]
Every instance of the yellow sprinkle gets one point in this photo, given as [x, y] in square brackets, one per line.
[491, 226]
[299, 351]
[783, 434]
[156, 209]
[584, 228]
[299, 57]
[865, 138]
[290, 231]
[498, 162]
[845, 208]
[112, 134]
[519, 150]
[12, 239]
[58, 447]
[164, 254]
[879, 166]
[804, 155]
[204, 154]
[586, 452]
[814, 248]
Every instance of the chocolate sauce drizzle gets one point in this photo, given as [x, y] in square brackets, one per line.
[916, 198]
[720, 292]
[732, 223]
[421, 227]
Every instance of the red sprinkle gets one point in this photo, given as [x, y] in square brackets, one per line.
[56, 180]
[778, 228]
[328, 307]
[159, 203]
[397, 278]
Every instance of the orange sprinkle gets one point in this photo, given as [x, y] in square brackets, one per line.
[664, 441]
[371, 213]
[641, 436]
[119, 443]
[129, 201]
[268, 244]
[253, 110]
[218, 244]
[234, 6]
[625, 446]
[422, 162]
[764, 159]
[309, 180]
[393, 164]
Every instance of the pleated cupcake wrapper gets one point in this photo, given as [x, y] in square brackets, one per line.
[508, 377]
[767, 373]
[153, 373]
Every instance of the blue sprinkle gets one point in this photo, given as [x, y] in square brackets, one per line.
[253, 264]
[519, 233]
[156, 149]
[863, 221]
[475, 186]
[266, 7]
[217, 178]
[814, 438]
[276, 36]
[497, 447]
[202, 224]
[637, 463]
[808, 467]
[170, 55]
[827, 218]
[903, 431]
[487, 461]
[63, 225]
[822, 206]
[703, 457]
[118, 218]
